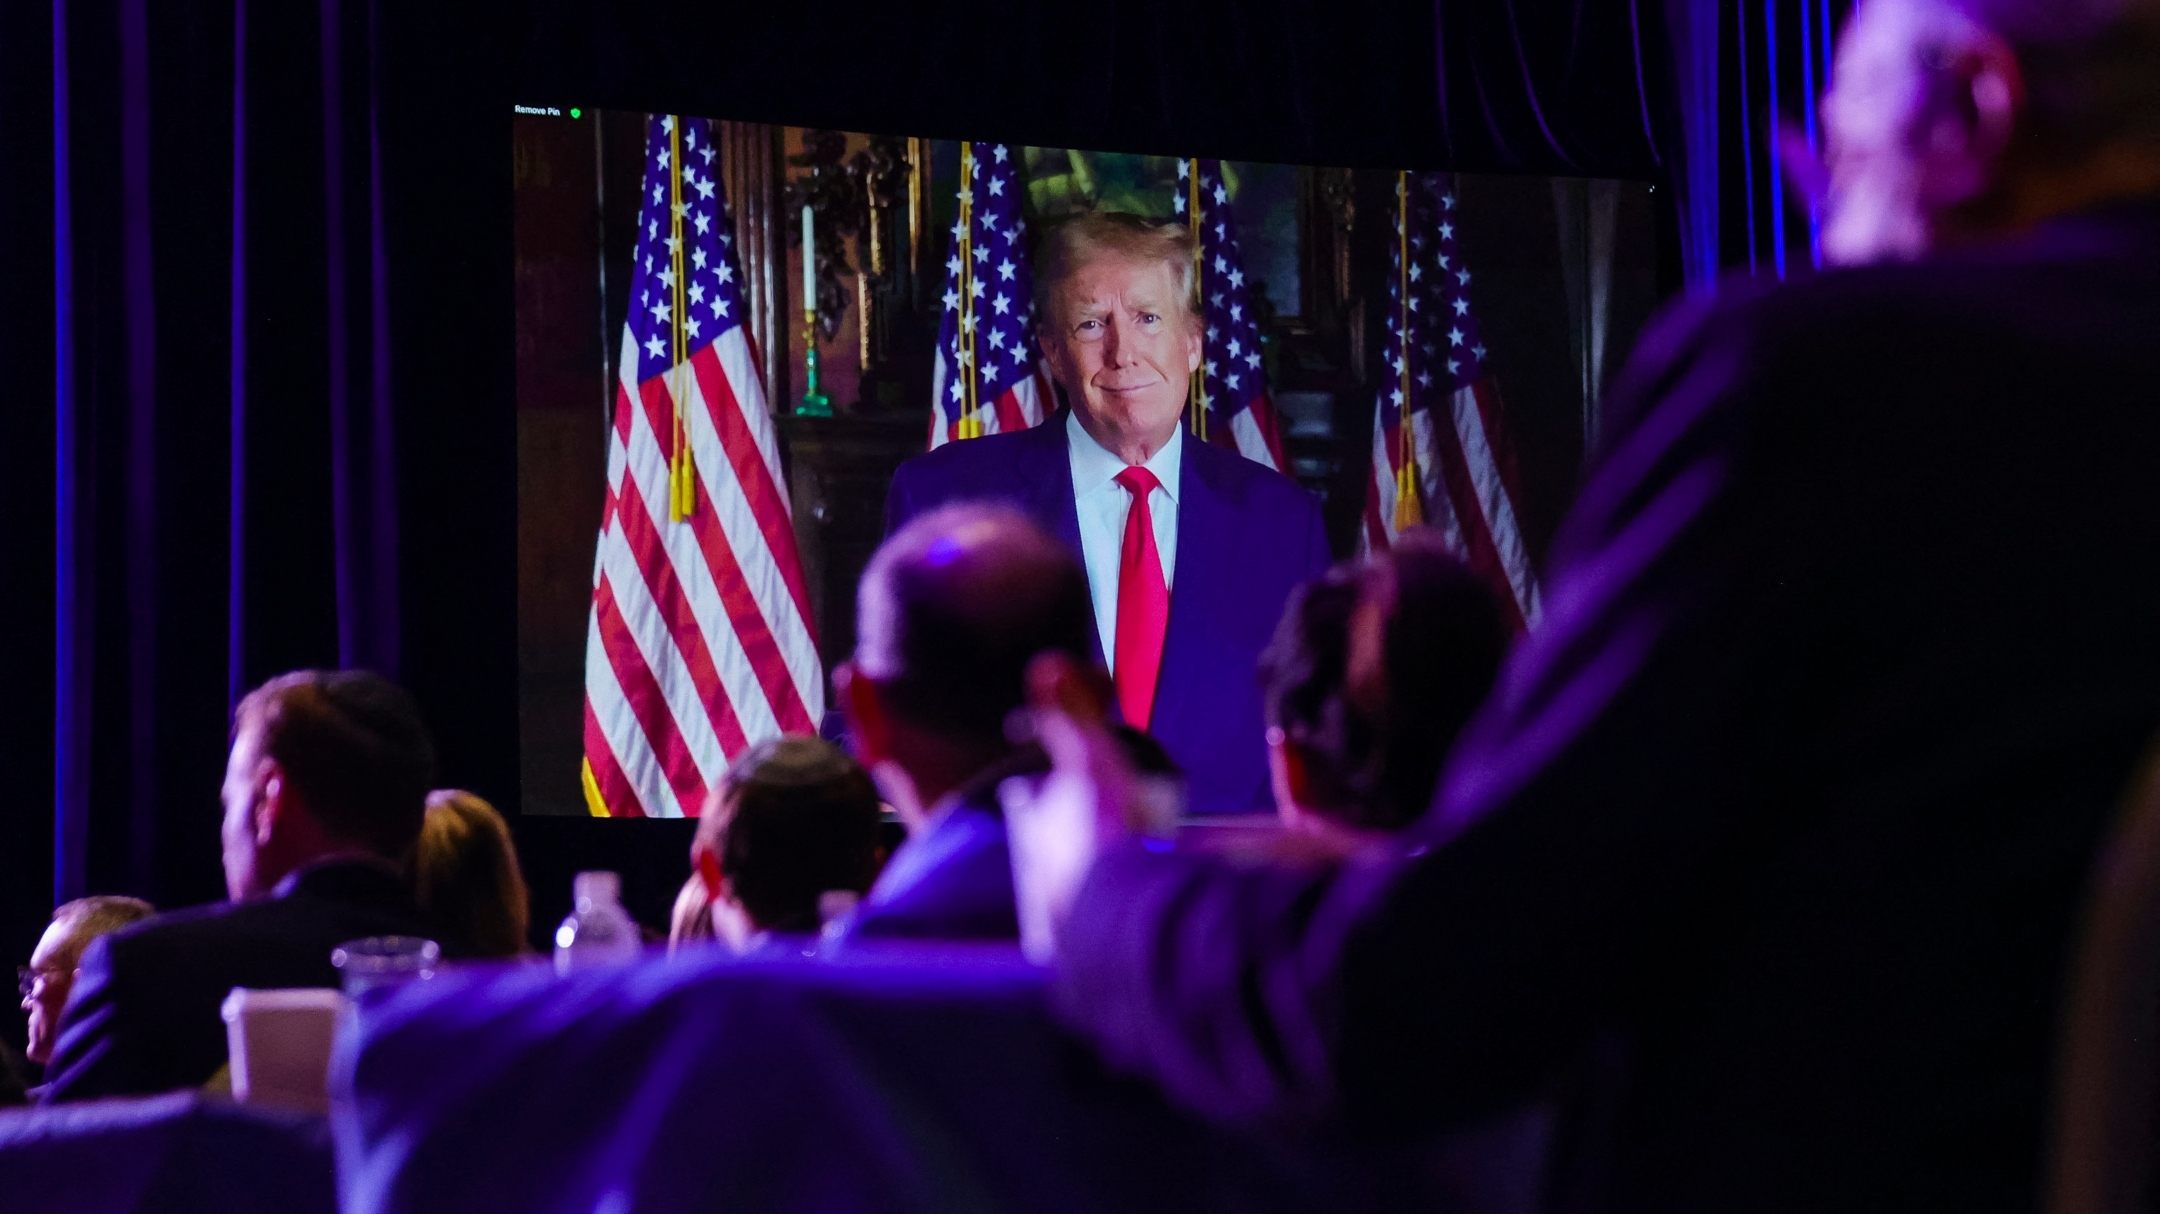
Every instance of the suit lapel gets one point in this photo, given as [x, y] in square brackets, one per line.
[1046, 472]
[1205, 535]
[1046, 475]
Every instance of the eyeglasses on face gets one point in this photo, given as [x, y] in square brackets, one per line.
[27, 978]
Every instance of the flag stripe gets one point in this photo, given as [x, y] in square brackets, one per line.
[642, 639]
[616, 795]
[757, 528]
[676, 612]
[1494, 489]
[756, 459]
[672, 773]
[749, 657]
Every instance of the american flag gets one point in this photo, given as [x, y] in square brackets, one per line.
[700, 638]
[1454, 470]
[986, 380]
[1234, 408]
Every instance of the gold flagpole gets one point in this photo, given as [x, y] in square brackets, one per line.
[1409, 511]
[1196, 389]
[682, 475]
[970, 421]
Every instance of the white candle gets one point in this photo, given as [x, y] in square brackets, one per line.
[809, 262]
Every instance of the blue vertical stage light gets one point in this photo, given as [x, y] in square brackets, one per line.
[1777, 170]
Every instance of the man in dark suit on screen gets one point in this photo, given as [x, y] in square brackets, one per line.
[1190, 550]
[1784, 814]
[324, 793]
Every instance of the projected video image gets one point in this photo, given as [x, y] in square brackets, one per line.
[730, 335]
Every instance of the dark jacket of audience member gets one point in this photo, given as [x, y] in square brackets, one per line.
[1785, 812]
[466, 878]
[953, 608]
[1373, 671]
[324, 796]
[793, 820]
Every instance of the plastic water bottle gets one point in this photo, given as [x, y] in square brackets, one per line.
[599, 931]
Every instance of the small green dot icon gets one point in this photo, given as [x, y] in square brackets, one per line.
[575, 112]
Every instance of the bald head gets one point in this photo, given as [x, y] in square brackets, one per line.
[953, 608]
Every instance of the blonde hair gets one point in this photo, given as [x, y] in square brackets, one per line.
[1095, 235]
[690, 922]
[466, 875]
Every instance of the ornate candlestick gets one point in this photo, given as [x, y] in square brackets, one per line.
[814, 403]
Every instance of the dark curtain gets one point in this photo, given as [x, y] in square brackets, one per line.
[1743, 69]
[1575, 87]
[283, 336]
[26, 497]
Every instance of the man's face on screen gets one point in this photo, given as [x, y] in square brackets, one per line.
[1121, 342]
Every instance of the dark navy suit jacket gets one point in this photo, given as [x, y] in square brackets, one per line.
[1785, 812]
[1246, 537]
[144, 1015]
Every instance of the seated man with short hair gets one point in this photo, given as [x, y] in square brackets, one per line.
[324, 793]
[953, 608]
[1374, 670]
[793, 820]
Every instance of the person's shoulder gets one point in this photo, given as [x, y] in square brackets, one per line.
[1248, 482]
[973, 459]
[1962, 295]
[179, 937]
[168, 929]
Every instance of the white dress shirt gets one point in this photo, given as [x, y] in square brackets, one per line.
[1102, 504]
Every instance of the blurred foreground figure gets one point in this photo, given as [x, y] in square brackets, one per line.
[467, 879]
[794, 819]
[324, 794]
[1778, 826]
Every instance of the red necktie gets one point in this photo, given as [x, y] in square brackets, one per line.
[1143, 603]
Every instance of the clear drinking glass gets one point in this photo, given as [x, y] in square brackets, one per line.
[379, 962]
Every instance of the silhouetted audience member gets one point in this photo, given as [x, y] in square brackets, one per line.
[46, 982]
[1784, 812]
[1375, 668]
[467, 880]
[324, 793]
[952, 609]
[793, 821]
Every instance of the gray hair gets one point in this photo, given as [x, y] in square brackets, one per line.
[89, 918]
[1091, 235]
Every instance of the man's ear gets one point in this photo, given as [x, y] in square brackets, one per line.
[864, 714]
[274, 802]
[1983, 94]
[1194, 347]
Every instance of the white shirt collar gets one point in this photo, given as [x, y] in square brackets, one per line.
[1093, 465]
